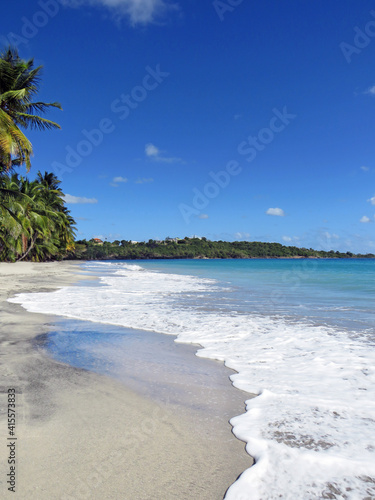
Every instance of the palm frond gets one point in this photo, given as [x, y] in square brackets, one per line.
[35, 122]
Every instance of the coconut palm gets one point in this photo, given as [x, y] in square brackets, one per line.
[15, 148]
[53, 197]
[13, 225]
[35, 223]
[50, 227]
[19, 84]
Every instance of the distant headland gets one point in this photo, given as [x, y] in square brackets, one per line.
[198, 248]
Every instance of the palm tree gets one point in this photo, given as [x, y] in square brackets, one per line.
[13, 224]
[35, 223]
[53, 197]
[15, 148]
[19, 84]
[50, 232]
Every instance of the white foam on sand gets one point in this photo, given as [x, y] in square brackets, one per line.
[311, 429]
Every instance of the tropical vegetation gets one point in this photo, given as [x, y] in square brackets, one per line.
[197, 248]
[34, 221]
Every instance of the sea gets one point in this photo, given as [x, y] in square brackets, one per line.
[300, 335]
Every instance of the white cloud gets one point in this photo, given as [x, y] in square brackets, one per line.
[143, 180]
[242, 236]
[203, 216]
[156, 154]
[151, 150]
[275, 211]
[372, 200]
[137, 11]
[288, 239]
[365, 219]
[365, 169]
[329, 236]
[117, 180]
[79, 199]
[370, 90]
[348, 241]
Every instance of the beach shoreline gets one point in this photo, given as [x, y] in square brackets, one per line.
[84, 435]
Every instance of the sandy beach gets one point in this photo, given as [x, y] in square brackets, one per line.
[84, 435]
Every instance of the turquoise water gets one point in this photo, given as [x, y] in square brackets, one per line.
[326, 291]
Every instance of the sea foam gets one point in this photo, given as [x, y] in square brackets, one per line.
[311, 427]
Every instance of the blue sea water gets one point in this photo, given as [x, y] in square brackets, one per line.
[337, 292]
[300, 335]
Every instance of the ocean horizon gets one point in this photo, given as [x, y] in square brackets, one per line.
[300, 334]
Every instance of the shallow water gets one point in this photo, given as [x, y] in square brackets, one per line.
[151, 364]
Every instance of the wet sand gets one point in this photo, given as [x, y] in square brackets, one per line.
[152, 425]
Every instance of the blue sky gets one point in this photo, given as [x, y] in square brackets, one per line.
[227, 119]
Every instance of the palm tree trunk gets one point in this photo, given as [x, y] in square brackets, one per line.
[24, 243]
[33, 240]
